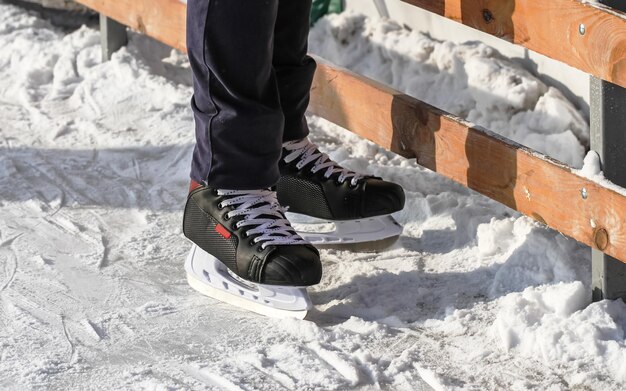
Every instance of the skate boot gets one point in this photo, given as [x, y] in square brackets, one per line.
[341, 206]
[246, 253]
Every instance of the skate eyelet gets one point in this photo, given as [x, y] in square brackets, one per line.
[220, 206]
[226, 216]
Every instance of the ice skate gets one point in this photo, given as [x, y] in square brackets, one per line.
[246, 253]
[332, 206]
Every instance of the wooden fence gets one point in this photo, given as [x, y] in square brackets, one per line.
[587, 36]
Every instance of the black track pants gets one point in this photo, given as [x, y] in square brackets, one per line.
[251, 87]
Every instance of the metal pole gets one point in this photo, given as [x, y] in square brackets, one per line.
[381, 6]
[608, 139]
[112, 35]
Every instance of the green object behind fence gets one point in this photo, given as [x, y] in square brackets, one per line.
[323, 7]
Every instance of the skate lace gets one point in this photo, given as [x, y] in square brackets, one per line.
[261, 210]
[307, 152]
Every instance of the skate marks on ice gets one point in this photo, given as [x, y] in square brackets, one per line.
[132, 178]
[361, 355]
[93, 171]
[301, 355]
[10, 261]
[81, 326]
[81, 191]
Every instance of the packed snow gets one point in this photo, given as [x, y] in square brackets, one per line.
[472, 81]
[94, 161]
[592, 169]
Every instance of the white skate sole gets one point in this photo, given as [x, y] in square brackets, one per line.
[322, 232]
[209, 276]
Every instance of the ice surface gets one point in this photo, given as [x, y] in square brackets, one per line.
[93, 173]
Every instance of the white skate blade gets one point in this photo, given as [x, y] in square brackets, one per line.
[322, 232]
[211, 277]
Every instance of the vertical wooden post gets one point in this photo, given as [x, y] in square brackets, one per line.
[608, 139]
[112, 35]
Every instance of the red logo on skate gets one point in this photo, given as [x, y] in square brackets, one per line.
[222, 231]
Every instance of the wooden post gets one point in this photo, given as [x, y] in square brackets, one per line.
[608, 139]
[112, 35]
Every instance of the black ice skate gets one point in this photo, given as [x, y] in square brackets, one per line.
[246, 253]
[358, 206]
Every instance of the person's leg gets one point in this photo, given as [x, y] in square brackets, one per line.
[233, 219]
[312, 184]
[294, 69]
[239, 120]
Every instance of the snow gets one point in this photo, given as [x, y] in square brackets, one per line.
[548, 322]
[471, 80]
[94, 161]
[592, 170]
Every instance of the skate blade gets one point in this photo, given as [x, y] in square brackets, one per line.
[210, 277]
[369, 234]
[362, 247]
[242, 303]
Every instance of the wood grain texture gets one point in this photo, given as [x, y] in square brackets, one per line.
[481, 160]
[549, 27]
[163, 20]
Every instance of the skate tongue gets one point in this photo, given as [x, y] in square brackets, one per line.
[263, 217]
[264, 205]
[309, 154]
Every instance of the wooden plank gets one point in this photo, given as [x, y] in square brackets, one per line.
[163, 20]
[477, 158]
[549, 27]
